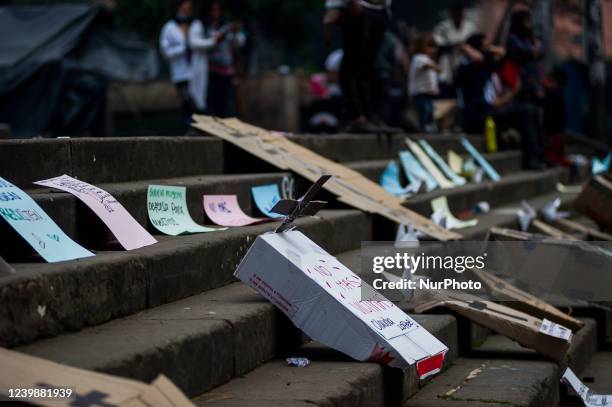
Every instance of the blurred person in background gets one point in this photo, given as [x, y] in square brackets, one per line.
[451, 35]
[201, 43]
[423, 82]
[363, 24]
[221, 101]
[173, 43]
[525, 51]
[482, 93]
[555, 117]
[392, 66]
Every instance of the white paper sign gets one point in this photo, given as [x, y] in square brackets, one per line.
[332, 305]
[589, 399]
[555, 330]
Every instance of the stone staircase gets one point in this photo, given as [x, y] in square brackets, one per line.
[175, 308]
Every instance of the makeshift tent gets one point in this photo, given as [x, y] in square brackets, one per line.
[55, 64]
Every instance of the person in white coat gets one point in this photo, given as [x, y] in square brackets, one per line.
[201, 41]
[174, 46]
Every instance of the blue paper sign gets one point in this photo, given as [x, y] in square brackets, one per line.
[415, 171]
[35, 226]
[484, 164]
[265, 197]
[390, 180]
[450, 174]
[601, 166]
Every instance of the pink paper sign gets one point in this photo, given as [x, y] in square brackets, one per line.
[126, 229]
[225, 211]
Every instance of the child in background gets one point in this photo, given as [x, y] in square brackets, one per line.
[423, 83]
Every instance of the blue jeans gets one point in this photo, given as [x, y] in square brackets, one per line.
[424, 106]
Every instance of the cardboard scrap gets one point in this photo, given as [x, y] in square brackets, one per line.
[552, 231]
[523, 301]
[88, 388]
[431, 168]
[589, 398]
[595, 201]
[130, 234]
[332, 305]
[523, 328]
[351, 187]
[579, 227]
[33, 224]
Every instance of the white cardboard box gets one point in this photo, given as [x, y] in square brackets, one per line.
[323, 298]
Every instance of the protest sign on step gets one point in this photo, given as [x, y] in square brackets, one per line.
[129, 233]
[168, 212]
[431, 168]
[36, 227]
[482, 162]
[450, 174]
[224, 210]
[265, 197]
[415, 171]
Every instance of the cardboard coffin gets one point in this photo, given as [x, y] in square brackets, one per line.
[88, 388]
[525, 329]
[595, 201]
[332, 305]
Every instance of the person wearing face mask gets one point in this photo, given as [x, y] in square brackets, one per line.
[174, 46]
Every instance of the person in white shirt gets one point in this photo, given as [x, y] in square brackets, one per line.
[174, 47]
[451, 35]
[423, 82]
[201, 41]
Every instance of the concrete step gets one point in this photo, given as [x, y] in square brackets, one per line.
[113, 159]
[122, 159]
[203, 341]
[492, 382]
[44, 299]
[505, 162]
[357, 147]
[331, 379]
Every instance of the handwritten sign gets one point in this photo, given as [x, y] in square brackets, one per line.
[265, 197]
[415, 171]
[439, 206]
[482, 162]
[390, 180]
[130, 234]
[34, 225]
[167, 207]
[450, 174]
[224, 210]
[332, 305]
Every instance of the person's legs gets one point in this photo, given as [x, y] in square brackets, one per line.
[187, 108]
[375, 24]
[352, 38]
[424, 107]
